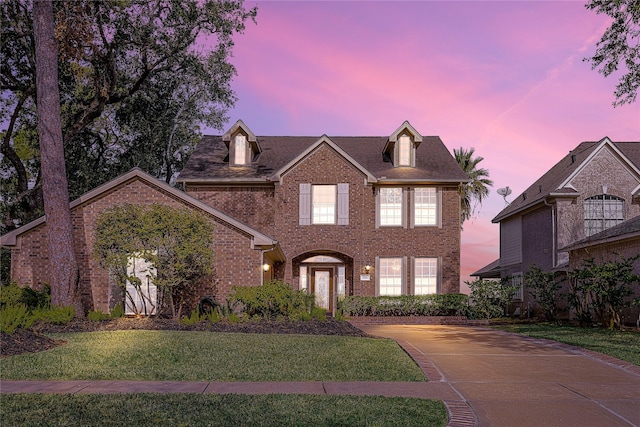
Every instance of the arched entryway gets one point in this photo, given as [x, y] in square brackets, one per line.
[325, 274]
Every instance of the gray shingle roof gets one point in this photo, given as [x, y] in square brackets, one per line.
[625, 230]
[210, 163]
[550, 182]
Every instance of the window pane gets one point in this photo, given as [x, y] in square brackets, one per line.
[391, 206]
[241, 150]
[426, 276]
[324, 204]
[424, 206]
[390, 276]
[404, 151]
[303, 277]
[341, 282]
[601, 212]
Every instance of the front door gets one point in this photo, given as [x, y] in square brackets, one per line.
[322, 287]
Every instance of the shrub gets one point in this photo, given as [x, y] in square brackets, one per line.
[489, 298]
[544, 288]
[405, 305]
[271, 300]
[604, 289]
[10, 295]
[15, 316]
[117, 311]
[36, 299]
[54, 315]
[97, 316]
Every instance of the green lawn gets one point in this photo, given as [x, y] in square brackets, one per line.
[206, 356]
[218, 410]
[624, 345]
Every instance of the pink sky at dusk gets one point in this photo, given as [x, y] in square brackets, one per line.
[504, 77]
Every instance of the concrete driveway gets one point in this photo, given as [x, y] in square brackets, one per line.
[509, 380]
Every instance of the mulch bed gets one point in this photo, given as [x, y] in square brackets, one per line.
[34, 340]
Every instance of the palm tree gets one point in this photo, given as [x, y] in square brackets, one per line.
[473, 192]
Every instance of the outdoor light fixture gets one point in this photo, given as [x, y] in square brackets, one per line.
[266, 267]
[367, 267]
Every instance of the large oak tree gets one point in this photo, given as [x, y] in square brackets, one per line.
[137, 79]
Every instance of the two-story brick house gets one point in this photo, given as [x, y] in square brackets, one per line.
[333, 215]
[594, 187]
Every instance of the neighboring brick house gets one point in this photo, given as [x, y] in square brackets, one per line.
[594, 187]
[335, 216]
[622, 240]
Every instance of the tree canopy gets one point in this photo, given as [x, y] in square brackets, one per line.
[137, 78]
[619, 47]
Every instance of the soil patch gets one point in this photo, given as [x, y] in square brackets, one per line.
[34, 340]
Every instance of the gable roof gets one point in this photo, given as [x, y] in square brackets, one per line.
[629, 229]
[324, 140]
[209, 162]
[257, 238]
[554, 182]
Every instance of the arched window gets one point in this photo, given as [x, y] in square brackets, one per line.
[601, 212]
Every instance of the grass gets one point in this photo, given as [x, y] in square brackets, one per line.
[624, 345]
[205, 356]
[218, 410]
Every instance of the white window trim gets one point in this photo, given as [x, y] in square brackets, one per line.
[403, 210]
[233, 149]
[403, 274]
[412, 211]
[438, 275]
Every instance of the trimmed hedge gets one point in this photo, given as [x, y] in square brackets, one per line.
[406, 305]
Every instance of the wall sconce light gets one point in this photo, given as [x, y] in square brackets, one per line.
[266, 267]
[367, 268]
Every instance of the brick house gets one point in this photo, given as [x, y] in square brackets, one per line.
[594, 187]
[334, 216]
[234, 242]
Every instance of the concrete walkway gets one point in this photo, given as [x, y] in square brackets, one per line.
[485, 378]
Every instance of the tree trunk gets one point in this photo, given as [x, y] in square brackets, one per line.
[62, 259]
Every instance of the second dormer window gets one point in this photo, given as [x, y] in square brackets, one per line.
[404, 151]
[241, 148]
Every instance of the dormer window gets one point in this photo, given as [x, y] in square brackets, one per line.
[404, 151]
[401, 146]
[242, 144]
[241, 155]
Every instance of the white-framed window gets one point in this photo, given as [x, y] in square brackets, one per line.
[390, 206]
[323, 202]
[240, 149]
[602, 212]
[341, 283]
[141, 294]
[425, 206]
[516, 281]
[303, 278]
[404, 151]
[425, 276]
[390, 276]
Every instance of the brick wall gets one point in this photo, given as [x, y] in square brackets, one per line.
[359, 242]
[235, 263]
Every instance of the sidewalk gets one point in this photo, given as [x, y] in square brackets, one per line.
[485, 378]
